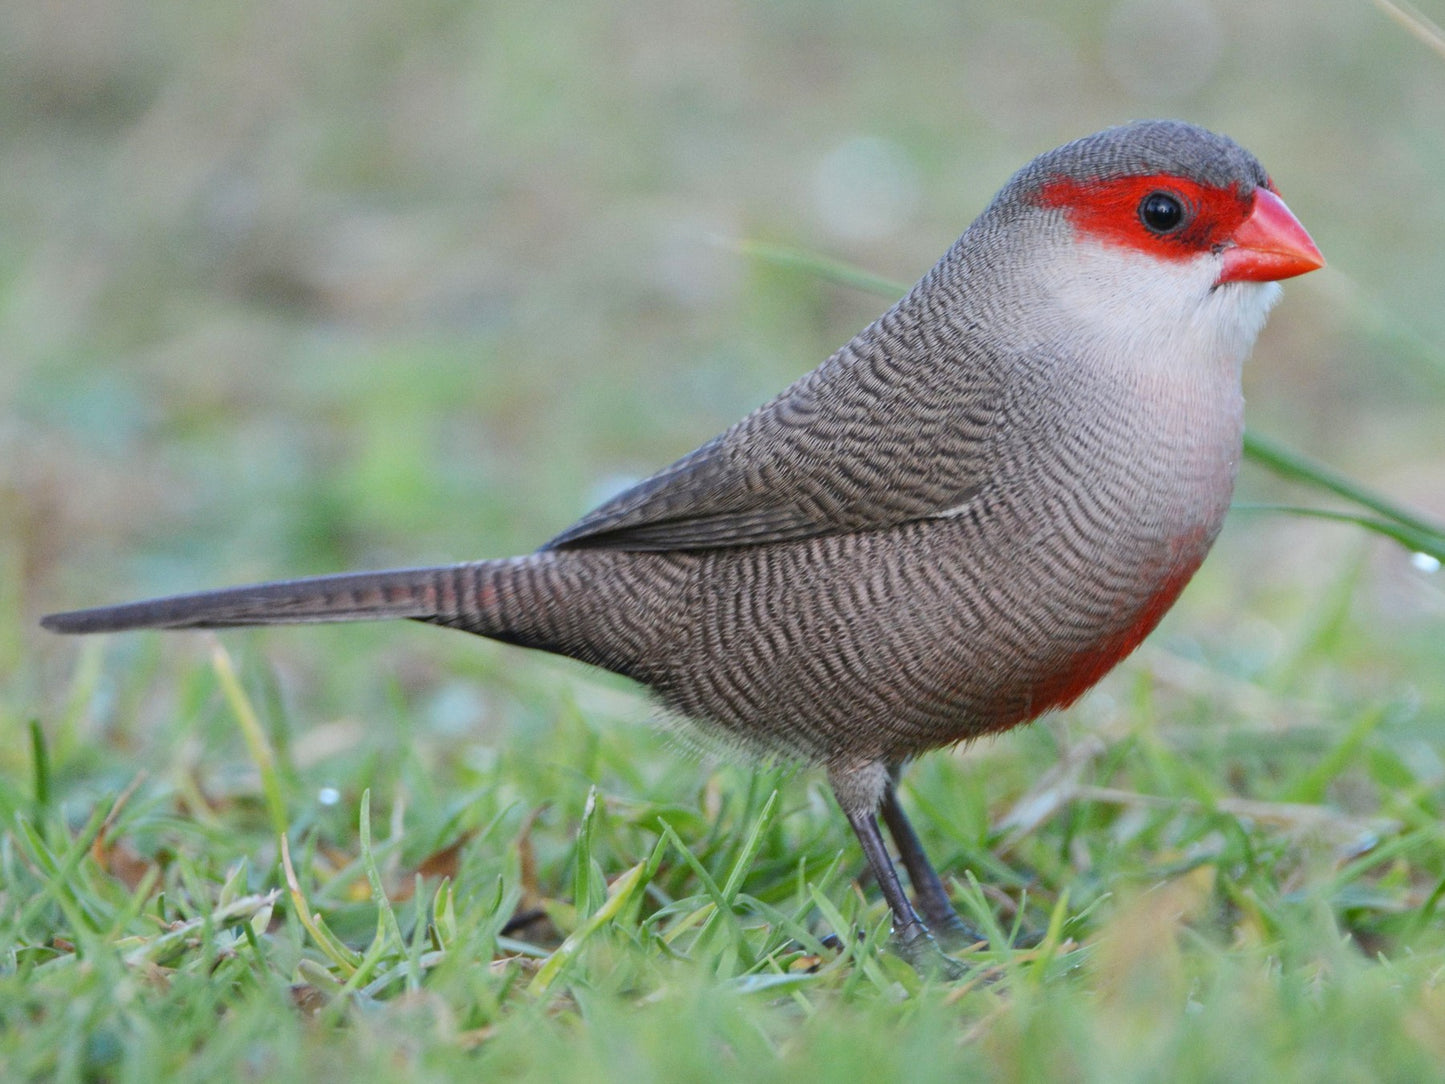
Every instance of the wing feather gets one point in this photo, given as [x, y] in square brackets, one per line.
[893, 427]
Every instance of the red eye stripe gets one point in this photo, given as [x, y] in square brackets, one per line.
[1109, 211]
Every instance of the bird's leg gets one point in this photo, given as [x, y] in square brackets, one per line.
[907, 926]
[858, 793]
[928, 891]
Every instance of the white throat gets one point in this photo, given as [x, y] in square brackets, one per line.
[1168, 316]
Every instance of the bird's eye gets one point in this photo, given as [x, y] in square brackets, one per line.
[1161, 212]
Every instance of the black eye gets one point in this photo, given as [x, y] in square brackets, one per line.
[1161, 212]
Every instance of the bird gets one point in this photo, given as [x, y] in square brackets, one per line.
[959, 521]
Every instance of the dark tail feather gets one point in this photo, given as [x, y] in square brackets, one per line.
[605, 607]
[424, 593]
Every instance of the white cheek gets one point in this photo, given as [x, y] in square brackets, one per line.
[1160, 313]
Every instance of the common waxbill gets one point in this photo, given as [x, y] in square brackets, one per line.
[962, 519]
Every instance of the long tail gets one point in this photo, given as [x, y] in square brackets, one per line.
[422, 593]
[612, 609]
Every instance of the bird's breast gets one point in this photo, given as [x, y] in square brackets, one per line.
[1093, 530]
[879, 643]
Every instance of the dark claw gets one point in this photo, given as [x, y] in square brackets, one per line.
[926, 957]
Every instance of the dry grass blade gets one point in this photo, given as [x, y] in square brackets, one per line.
[1420, 27]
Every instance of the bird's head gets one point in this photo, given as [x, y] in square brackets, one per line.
[1159, 232]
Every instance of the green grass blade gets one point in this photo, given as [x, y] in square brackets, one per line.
[619, 895]
[1430, 543]
[1298, 467]
[255, 736]
[819, 266]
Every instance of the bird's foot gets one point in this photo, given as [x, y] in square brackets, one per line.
[920, 951]
[926, 956]
[953, 932]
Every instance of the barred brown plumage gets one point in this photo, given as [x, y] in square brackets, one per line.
[962, 519]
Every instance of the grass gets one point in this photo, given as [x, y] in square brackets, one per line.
[1220, 894]
[284, 290]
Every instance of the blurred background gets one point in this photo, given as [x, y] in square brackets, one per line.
[296, 286]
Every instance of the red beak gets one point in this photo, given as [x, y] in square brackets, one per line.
[1270, 244]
